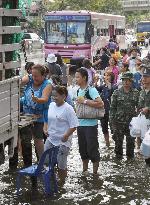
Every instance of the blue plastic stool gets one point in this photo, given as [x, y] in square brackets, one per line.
[39, 170]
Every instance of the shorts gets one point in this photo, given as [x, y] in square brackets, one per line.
[88, 143]
[37, 130]
[104, 123]
[61, 156]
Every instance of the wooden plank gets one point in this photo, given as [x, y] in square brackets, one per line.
[9, 47]
[5, 107]
[12, 65]
[10, 12]
[4, 136]
[10, 29]
[7, 81]
[1, 66]
[3, 71]
[1, 56]
[5, 127]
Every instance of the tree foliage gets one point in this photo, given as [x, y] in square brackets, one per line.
[110, 6]
[103, 6]
[133, 18]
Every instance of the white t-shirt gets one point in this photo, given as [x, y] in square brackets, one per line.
[60, 119]
[132, 64]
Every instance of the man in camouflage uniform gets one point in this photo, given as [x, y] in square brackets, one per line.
[122, 110]
[144, 99]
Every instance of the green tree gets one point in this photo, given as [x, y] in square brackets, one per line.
[104, 6]
[110, 6]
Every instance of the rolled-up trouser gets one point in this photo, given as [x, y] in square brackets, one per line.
[119, 131]
[88, 143]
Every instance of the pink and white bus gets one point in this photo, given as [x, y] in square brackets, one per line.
[81, 33]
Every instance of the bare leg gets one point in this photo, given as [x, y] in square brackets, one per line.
[95, 167]
[62, 176]
[138, 141]
[106, 136]
[85, 165]
[39, 144]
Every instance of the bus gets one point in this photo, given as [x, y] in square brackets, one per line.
[81, 33]
[143, 31]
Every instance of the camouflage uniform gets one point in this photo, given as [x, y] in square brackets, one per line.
[122, 110]
[144, 101]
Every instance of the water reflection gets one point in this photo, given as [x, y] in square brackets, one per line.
[119, 182]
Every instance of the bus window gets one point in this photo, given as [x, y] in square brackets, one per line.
[55, 32]
[91, 30]
[102, 32]
[98, 32]
[77, 33]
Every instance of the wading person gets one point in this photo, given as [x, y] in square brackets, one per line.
[144, 99]
[91, 72]
[64, 69]
[106, 90]
[54, 68]
[113, 68]
[123, 108]
[59, 127]
[87, 131]
[36, 101]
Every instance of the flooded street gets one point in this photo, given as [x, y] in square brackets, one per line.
[119, 182]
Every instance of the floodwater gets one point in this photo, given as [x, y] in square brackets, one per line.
[119, 182]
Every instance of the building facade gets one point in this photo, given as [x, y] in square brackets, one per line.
[136, 5]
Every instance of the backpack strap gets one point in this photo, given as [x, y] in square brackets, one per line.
[77, 92]
[87, 94]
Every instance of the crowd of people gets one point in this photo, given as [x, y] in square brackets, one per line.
[117, 80]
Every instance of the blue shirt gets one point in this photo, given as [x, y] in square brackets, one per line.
[106, 93]
[93, 94]
[31, 107]
[137, 80]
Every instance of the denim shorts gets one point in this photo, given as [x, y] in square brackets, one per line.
[61, 156]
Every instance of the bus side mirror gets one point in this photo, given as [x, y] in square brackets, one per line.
[91, 30]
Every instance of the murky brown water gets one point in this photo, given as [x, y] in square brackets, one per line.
[119, 182]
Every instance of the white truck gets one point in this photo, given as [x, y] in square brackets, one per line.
[9, 88]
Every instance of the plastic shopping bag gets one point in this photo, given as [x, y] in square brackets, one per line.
[139, 126]
[135, 126]
[145, 146]
[144, 126]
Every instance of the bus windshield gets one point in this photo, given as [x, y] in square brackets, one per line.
[143, 27]
[67, 32]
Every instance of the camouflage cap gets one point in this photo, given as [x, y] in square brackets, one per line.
[146, 72]
[146, 62]
[127, 75]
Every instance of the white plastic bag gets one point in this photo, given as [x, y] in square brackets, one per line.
[139, 126]
[135, 127]
[144, 125]
[145, 146]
